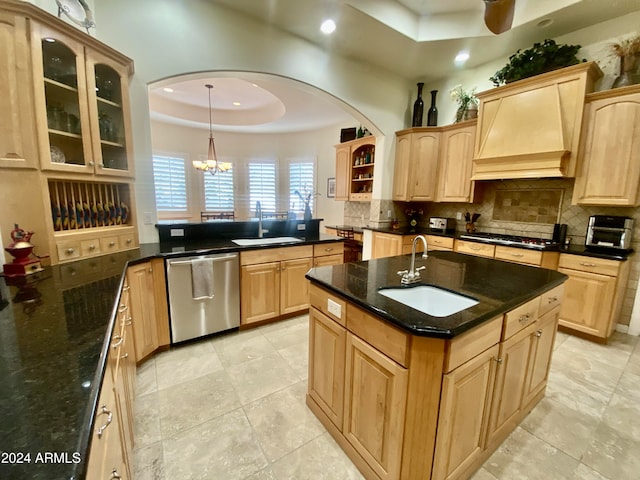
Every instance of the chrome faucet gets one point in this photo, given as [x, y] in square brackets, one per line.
[413, 274]
[259, 215]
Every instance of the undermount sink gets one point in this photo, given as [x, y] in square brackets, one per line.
[244, 242]
[428, 299]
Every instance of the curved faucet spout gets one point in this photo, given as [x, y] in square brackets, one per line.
[259, 215]
[413, 275]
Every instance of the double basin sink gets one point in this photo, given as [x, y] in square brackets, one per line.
[247, 242]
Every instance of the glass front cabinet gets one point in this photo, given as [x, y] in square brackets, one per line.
[82, 107]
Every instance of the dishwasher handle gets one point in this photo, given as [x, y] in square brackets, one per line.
[214, 259]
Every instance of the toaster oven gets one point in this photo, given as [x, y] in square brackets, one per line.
[609, 232]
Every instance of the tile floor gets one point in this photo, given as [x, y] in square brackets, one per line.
[233, 407]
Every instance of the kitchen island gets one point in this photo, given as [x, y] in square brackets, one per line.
[414, 396]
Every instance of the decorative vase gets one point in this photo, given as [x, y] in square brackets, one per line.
[307, 211]
[470, 113]
[629, 71]
[432, 116]
[418, 108]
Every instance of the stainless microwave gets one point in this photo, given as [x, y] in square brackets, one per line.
[609, 232]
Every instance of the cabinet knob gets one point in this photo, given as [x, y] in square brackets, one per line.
[104, 411]
[585, 264]
[118, 340]
[91, 163]
[129, 320]
[524, 318]
[553, 299]
[92, 247]
[498, 360]
[126, 288]
[111, 244]
[538, 333]
[123, 308]
[150, 270]
[125, 356]
[114, 474]
[70, 250]
[129, 241]
[328, 249]
[517, 255]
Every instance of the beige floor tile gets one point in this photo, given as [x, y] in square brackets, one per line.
[266, 474]
[629, 385]
[566, 429]
[560, 339]
[616, 354]
[320, 459]
[185, 363]
[222, 448]
[524, 456]
[239, 349]
[578, 395]
[146, 420]
[258, 378]
[146, 377]
[612, 455]
[149, 463]
[191, 403]
[482, 474]
[623, 415]
[292, 334]
[282, 421]
[297, 357]
[586, 473]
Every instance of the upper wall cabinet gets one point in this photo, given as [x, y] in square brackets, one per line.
[531, 128]
[82, 108]
[609, 167]
[434, 163]
[17, 128]
[355, 162]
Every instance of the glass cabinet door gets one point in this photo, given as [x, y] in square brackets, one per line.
[63, 118]
[108, 87]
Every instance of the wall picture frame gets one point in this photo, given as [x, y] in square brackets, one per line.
[331, 187]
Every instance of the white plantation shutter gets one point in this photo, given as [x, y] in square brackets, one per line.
[218, 191]
[300, 179]
[262, 185]
[170, 183]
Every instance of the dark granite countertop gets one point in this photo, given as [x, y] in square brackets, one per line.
[54, 327]
[498, 286]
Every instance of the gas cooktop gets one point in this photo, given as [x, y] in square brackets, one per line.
[511, 240]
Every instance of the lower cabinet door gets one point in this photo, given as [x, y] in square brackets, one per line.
[143, 309]
[327, 340]
[511, 375]
[541, 351]
[260, 287]
[464, 415]
[386, 245]
[375, 398]
[294, 288]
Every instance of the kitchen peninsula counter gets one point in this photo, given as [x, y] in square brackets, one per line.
[55, 328]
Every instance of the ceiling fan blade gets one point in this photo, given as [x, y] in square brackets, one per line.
[498, 15]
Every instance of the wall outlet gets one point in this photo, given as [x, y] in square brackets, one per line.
[459, 216]
[388, 213]
[177, 232]
[334, 308]
[301, 226]
[147, 218]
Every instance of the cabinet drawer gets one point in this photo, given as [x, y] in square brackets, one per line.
[551, 299]
[90, 246]
[589, 264]
[520, 317]
[128, 240]
[435, 242]
[68, 250]
[519, 255]
[472, 343]
[475, 248]
[268, 255]
[327, 260]
[391, 341]
[109, 244]
[319, 298]
[334, 248]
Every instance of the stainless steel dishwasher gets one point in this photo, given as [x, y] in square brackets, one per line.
[204, 295]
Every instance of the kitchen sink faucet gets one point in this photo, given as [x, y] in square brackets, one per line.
[259, 215]
[413, 274]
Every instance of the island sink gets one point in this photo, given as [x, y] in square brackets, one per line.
[243, 242]
[428, 299]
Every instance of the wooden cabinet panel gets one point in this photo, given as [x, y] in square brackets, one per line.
[551, 300]
[464, 415]
[17, 129]
[294, 288]
[386, 245]
[520, 317]
[423, 173]
[328, 260]
[334, 248]
[355, 163]
[343, 172]
[375, 396]
[475, 248]
[519, 255]
[435, 242]
[401, 167]
[540, 355]
[612, 131]
[456, 163]
[260, 287]
[327, 343]
[143, 309]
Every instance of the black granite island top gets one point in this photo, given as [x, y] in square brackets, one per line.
[498, 286]
[54, 332]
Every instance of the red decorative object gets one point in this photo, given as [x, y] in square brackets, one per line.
[21, 249]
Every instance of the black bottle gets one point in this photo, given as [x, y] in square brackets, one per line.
[418, 108]
[432, 116]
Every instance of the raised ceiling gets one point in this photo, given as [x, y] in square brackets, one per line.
[416, 39]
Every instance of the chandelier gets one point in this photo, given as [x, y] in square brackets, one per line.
[211, 164]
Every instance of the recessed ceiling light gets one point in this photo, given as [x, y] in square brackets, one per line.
[50, 40]
[328, 27]
[461, 57]
[236, 104]
[168, 89]
[544, 23]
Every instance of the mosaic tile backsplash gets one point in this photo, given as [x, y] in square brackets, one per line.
[533, 206]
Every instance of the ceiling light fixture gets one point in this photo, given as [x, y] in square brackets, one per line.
[168, 89]
[236, 104]
[461, 57]
[211, 165]
[328, 27]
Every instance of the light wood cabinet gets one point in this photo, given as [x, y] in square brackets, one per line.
[272, 282]
[456, 163]
[531, 128]
[540, 355]
[385, 245]
[524, 256]
[593, 294]
[436, 242]
[355, 163]
[325, 254]
[475, 248]
[612, 123]
[148, 307]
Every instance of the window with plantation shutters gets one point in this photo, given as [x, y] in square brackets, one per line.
[218, 191]
[300, 180]
[262, 185]
[170, 183]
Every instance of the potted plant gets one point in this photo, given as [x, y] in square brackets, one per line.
[467, 103]
[628, 51]
[540, 58]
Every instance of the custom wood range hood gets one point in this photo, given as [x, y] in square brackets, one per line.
[531, 128]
